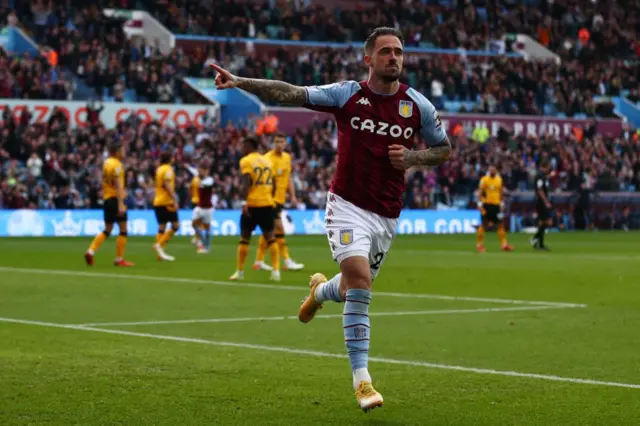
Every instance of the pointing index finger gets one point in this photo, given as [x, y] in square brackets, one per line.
[216, 67]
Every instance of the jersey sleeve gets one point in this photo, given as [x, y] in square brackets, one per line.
[245, 167]
[483, 183]
[330, 97]
[431, 127]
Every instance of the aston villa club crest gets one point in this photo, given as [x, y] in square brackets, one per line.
[405, 109]
[346, 236]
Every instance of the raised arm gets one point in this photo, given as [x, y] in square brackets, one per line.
[323, 98]
[274, 91]
[267, 90]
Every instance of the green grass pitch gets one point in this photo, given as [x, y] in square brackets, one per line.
[521, 338]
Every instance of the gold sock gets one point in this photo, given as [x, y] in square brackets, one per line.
[275, 255]
[243, 252]
[166, 237]
[282, 245]
[262, 249]
[121, 244]
[97, 242]
[480, 235]
[502, 235]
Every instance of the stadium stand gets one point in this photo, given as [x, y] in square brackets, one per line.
[570, 28]
[43, 168]
[53, 166]
[96, 49]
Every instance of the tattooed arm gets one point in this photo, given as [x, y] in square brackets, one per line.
[267, 90]
[403, 158]
[274, 91]
[433, 156]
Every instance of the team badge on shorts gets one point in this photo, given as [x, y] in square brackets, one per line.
[405, 109]
[346, 236]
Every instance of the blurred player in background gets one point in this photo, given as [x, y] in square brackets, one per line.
[203, 211]
[377, 120]
[281, 162]
[115, 210]
[543, 206]
[195, 199]
[165, 204]
[257, 207]
[490, 192]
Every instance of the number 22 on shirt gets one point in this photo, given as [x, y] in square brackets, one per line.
[260, 170]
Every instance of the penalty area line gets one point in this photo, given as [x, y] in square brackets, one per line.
[291, 317]
[279, 287]
[293, 351]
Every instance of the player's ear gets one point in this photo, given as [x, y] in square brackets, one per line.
[368, 60]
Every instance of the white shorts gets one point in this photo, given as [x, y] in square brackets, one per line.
[203, 215]
[353, 231]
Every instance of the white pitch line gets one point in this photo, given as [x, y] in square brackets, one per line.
[281, 287]
[598, 256]
[291, 317]
[328, 354]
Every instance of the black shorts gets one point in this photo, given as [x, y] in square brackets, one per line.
[111, 214]
[164, 215]
[278, 209]
[544, 213]
[263, 217]
[491, 212]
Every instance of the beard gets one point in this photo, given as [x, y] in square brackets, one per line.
[389, 75]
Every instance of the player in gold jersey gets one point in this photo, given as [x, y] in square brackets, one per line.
[257, 207]
[165, 205]
[114, 207]
[281, 162]
[490, 204]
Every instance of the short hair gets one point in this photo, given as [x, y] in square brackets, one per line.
[370, 42]
[113, 147]
[165, 157]
[544, 164]
[252, 141]
[280, 135]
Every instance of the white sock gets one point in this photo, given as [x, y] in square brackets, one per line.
[90, 252]
[360, 375]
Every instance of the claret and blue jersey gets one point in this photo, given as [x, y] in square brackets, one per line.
[368, 123]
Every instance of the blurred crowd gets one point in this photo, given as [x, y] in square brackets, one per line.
[52, 166]
[567, 26]
[452, 83]
[32, 77]
[590, 37]
[75, 36]
[600, 164]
